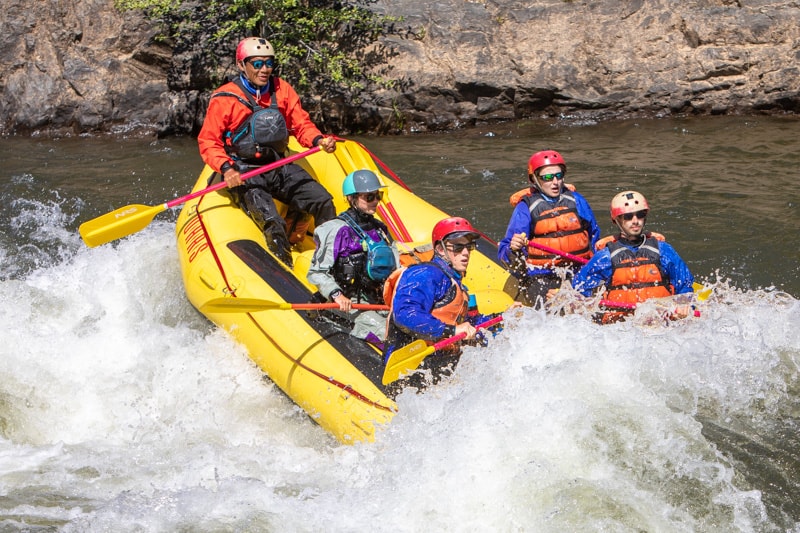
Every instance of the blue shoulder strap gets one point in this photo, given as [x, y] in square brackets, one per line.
[363, 235]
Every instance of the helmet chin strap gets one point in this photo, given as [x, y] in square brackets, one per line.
[443, 255]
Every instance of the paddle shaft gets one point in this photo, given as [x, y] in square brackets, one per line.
[617, 305]
[334, 305]
[565, 255]
[254, 305]
[627, 306]
[132, 218]
[455, 338]
[247, 175]
[608, 303]
[409, 357]
[697, 287]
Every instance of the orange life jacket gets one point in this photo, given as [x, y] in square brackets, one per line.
[390, 285]
[636, 274]
[451, 309]
[555, 225]
[414, 255]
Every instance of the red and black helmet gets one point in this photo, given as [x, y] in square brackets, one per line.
[545, 158]
[453, 228]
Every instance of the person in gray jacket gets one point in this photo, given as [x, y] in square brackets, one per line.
[354, 256]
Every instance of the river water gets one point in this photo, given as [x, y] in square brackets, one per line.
[123, 409]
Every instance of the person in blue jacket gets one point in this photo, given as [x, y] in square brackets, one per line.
[429, 300]
[633, 265]
[552, 225]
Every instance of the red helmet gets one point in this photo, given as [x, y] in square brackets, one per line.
[627, 202]
[453, 228]
[545, 158]
[253, 46]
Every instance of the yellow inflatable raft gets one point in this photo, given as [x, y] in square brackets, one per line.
[232, 278]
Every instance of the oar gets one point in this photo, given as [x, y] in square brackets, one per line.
[565, 255]
[132, 218]
[627, 306]
[702, 292]
[618, 305]
[409, 357]
[253, 305]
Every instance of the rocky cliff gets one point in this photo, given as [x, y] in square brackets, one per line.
[81, 66]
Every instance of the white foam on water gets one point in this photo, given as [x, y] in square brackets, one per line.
[122, 408]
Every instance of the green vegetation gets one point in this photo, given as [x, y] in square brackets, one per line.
[323, 47]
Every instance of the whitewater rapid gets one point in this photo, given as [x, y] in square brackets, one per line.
[122, 408]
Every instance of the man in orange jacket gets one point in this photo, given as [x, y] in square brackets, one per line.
[247, 125]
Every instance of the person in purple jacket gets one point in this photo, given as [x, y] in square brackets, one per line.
[354, 256]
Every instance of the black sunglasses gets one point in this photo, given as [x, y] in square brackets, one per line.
[371, 196]
[551, 177]
[457, 248]
[641, 215]
[258, 64]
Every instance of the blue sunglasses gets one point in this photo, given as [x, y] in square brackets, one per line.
[258, 64]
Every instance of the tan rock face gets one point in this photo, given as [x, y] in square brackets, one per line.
[513, 59]
[76, 66]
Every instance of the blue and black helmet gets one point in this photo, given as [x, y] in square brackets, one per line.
[360, 181]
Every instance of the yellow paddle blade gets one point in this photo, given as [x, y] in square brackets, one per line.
[702, 292]
[406, 360]
[241, 305]
[118, 224]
